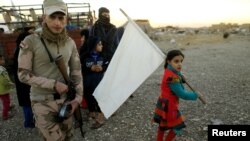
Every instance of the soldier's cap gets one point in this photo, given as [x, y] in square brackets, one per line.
[53, 6]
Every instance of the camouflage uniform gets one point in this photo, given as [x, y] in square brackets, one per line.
[36, 70]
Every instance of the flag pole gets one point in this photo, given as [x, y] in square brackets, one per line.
[124, 14]
[143, 34]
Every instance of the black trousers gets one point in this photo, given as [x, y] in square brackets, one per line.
[90, 100]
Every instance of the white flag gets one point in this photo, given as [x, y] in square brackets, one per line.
[135, 59]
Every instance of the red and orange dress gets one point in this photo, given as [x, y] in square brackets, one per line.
[166, 113]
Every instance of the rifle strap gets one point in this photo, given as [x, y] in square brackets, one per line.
[56, 95]
[47, 50]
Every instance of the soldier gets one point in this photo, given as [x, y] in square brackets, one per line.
[36, 68]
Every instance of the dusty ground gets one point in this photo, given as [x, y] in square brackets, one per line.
[218, 67]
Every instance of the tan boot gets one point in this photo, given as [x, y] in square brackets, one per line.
[100, 119]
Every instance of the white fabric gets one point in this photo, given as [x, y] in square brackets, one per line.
[135, 59]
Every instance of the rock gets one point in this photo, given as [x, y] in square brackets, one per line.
[216, 121]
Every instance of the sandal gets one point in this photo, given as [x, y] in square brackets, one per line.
[92, 115]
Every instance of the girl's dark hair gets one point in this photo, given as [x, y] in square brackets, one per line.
[171, 54]
[92, 42]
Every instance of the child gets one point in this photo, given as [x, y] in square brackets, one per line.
[166, 113]
[5, 87]
[94, 66]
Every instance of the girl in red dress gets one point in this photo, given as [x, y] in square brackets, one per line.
[166, 113]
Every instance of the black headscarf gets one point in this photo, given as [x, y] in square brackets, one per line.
[102, 19]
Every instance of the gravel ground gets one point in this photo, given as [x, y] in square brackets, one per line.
[220, 70]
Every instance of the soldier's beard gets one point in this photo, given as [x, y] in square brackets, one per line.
[57, 38]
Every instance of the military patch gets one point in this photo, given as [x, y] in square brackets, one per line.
[23, 45]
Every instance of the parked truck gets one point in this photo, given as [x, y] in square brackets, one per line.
[17, 18]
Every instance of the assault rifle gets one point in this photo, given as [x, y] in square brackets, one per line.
[71, 94]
